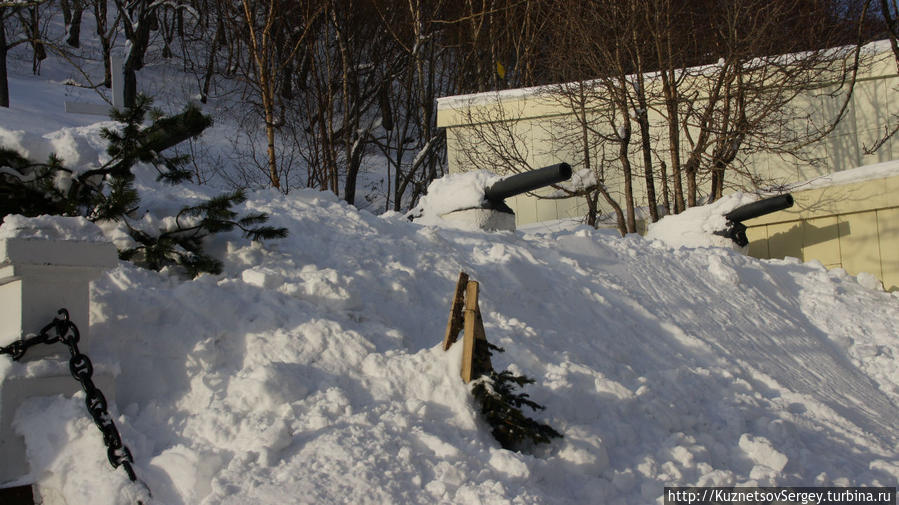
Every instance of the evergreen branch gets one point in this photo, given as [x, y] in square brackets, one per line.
[501, 407]
[107, 193]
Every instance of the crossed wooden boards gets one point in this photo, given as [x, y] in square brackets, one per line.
[466, 315]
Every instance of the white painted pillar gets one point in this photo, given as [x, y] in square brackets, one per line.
[481, 219]
[118, 92]
[118, 81]
[43, 269]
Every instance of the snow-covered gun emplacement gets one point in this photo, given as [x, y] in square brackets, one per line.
[736, 230]
[476, 199]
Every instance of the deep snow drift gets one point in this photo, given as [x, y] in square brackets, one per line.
[310, 370]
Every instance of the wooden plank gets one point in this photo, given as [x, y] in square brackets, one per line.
[454, 325]
[468, 338]
[481, 355]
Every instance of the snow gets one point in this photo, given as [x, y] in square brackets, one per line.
[579, 181]
[50, 228]
[696, 226]
[452, 192]
[311, 370]
[859, 174]
[71, 145]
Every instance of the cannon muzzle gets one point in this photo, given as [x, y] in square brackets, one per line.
[527, 181]
[736, 230]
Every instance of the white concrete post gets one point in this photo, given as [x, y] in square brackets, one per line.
[41, 271]
[483, 219]
[118, 92]
[118, 81]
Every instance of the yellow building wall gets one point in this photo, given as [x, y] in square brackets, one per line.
[853, 226]
[537, 123]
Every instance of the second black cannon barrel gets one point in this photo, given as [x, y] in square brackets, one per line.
[760, 208]
[528, 181]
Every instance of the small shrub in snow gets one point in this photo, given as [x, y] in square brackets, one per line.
[497, 393]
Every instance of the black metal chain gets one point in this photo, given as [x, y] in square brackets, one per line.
[61, 329]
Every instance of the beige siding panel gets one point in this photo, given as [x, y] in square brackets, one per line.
[525, 209]
[888, 232]
[881, 193]
[845, 199]
[842, 151]
[892, 94]
[891, 107]
[546, 210]
[785, 239]
[543, 152]
[453, 152]
[858, 243]
[572, 207]
[821, 241]
[872, 117]
[890, 190]
[758, 242]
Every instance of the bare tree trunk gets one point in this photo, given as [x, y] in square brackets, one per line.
[619, 214]
[666, 202]
[66, 12]
[674, 142]
[210, 61]
[642, 116]
[260, 44]
[670, 95]
[138, 23]
[268, 62]
[74, 24]
[4, 48]
[270, 149]
[31, 23]
[100, 13]
[351, 151]
[691, 169]
[646, 148]
[624, 159]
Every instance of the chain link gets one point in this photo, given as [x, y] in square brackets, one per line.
[17, 349]
[81, 368]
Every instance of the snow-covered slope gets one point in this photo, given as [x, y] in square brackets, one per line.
[310, 370]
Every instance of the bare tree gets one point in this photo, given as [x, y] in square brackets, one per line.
[704, 85]
[767, 60]
[20, 25]
[412, 143]
[72, 14]
[105, 32]
[889, 15]
[263, 21]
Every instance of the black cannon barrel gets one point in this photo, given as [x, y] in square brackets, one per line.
[528, 181]
[760, 208]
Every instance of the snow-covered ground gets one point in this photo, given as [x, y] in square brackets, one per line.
[310, 371]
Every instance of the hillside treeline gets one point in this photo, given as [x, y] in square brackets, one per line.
[324, 85]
